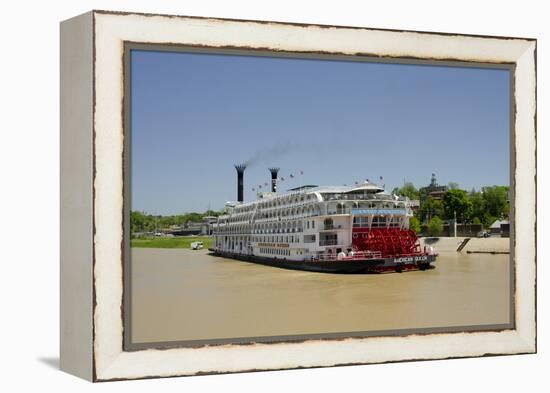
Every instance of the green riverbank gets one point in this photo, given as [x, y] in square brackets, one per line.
[170, 242]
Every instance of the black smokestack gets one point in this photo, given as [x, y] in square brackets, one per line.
[274, 172]
[240, 181]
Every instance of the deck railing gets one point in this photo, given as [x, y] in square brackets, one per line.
[351, 256]
[362, 255]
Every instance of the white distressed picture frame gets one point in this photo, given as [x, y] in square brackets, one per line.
[92, 189]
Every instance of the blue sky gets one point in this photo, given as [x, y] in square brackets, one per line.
[195, 115]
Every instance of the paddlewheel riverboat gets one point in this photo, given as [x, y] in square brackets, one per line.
[336, 229]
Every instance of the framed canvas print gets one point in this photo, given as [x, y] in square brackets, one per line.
[245, 195]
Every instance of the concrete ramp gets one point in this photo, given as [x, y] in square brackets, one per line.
[489, 245]
[465, 244]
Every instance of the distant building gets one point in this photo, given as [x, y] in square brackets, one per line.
[500, 227]
[193, 228]
[434, 190]
[207, 225]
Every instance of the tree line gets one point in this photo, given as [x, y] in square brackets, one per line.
[483, 206]
[143, 222]
[475, 207]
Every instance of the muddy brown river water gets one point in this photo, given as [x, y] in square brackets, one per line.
[180, 295]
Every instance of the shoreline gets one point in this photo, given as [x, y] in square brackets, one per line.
[488, 245]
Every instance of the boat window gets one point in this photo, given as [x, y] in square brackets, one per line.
[360, 222]
[378, 221]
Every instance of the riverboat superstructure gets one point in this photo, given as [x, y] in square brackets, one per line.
[352, 229]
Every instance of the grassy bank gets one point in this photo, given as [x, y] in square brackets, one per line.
[170, 242]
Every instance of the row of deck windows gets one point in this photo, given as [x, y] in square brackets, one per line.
[310, 209]
[276, 239]
[274, 215]
[292, 199]
[275, 251]
[377, 222]
[262, 239]
[297, 226]
[287, 200]
[261, 228]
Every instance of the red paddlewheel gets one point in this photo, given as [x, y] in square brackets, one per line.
[388, 241]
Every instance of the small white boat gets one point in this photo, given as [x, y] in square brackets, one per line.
[197, 246]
